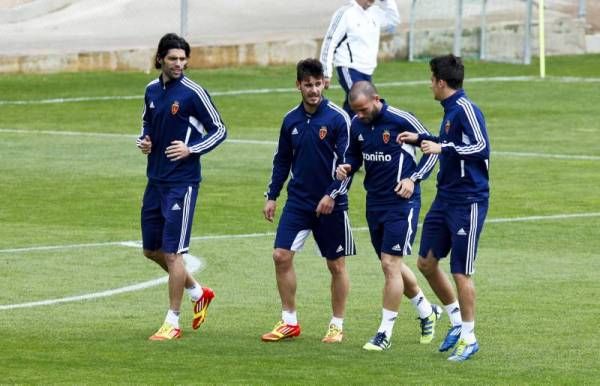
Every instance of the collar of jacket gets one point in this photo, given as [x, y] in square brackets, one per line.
[170, 83]
[384, 107]
[451, 100]
[319, 109]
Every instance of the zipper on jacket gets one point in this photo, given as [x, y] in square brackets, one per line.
[350, 52]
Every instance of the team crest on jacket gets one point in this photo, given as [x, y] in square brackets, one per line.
[447, 126]
[386, 136]
[175, 107]
[323, 132]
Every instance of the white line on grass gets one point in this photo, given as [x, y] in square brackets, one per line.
[193, 264]
[137, 244]
[545, 155]
[273, 143]
[563, 79]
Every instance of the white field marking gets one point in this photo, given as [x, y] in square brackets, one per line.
[544, 155]
[192, 264]
[274, 143]
[68, 133]
[137, 244]
[72, 246]
[563, 79]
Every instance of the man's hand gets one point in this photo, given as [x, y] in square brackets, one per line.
[325, 205]
[146, 145]
[326, 83]
[269, 210]
[408, 137]
[341, 172]
[429, 147]
[405, 188]
[178, 150]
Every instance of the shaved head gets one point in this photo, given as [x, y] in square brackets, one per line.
[364, 101]
[362, 88]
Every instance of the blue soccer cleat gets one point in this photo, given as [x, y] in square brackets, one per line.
[451, 338]
[463, 351]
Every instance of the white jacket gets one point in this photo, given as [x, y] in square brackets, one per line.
[352, 39]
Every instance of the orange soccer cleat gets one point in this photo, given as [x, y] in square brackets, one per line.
[281, 331]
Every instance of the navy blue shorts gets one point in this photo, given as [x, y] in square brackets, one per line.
[332, 232]
[347, 77]
[167, 216]
[393, 230]
[454, 227]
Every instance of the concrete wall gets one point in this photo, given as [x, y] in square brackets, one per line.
[505, 42]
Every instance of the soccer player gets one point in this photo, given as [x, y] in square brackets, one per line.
[455, 220]
[392, 177]
[179, 124]
[312, 141]
[351, 43]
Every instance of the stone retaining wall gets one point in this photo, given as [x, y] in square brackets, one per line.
[505, 42]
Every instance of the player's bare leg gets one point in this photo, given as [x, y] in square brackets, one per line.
[428, 313]
[466, 295]
[440, 284]
[286, 277]
[158, 257]
[392, 296]
[438, 280]
[340, 287]
[286, 285]
[177, 277]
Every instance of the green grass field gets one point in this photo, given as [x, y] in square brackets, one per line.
[71, 180]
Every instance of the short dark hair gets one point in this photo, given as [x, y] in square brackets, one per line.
[309, 67]
[449, 68]
[362, 87]
[168, 42]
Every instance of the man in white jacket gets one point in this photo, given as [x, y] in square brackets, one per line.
[352, 41]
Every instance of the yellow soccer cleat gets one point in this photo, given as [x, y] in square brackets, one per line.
[334, 335]
[166, 332]
[379, 342]
[281, 331]
[428, 324]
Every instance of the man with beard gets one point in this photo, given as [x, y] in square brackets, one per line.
[312, 141]
[179, 124]
[392, 176]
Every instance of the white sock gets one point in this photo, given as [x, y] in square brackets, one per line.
[388, 318]
[453, 311]
[468, 332]
[195, 292]
[338, 322]
[422, 305]
[172, 318]
[289, 317]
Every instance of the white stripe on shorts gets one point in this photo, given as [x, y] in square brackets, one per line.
[184, 221]
[348, 236]
[407, 249]
[472, 242]
[299, 240]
